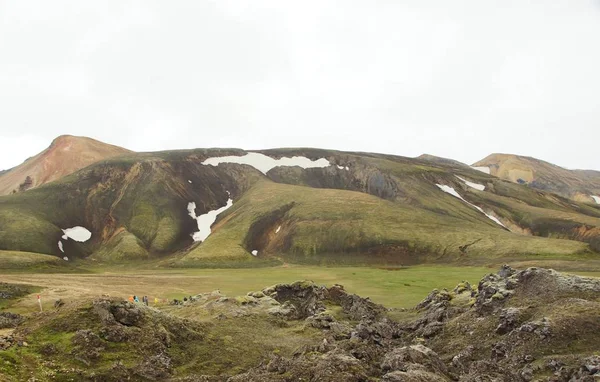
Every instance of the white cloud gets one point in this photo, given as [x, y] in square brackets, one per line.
[457, 79]
[15, 149]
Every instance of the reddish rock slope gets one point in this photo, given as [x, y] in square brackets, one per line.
[65, 155]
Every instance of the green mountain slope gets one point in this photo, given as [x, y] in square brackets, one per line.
[362, 207]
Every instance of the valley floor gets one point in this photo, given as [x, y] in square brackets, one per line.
[392, 287]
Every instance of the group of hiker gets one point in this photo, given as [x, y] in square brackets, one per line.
[157, 301]
[145, 300]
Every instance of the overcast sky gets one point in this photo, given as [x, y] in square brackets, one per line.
[458, 79]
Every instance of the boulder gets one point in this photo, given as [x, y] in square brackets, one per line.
[403, 359]
[462, 360]
[126, 313]
[333, 367]
[305, 296]
[88, 345]
[413, 376]
[155, 368]
[356, 307]
[509, 318]
[10, 320]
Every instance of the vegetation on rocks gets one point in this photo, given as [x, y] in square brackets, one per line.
[544, 328]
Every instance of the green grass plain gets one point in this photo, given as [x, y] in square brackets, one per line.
[392, 287]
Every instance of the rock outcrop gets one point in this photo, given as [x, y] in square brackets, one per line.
[534, 324]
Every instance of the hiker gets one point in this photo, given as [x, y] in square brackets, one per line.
[130, 298]
[155, 300]
[136, 299]
[146, 300]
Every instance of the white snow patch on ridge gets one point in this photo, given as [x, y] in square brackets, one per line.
[60, 246]
[476, 186]
[453, 192]
[265, 163]
[482, 169]
[206, 221]
[596, 199]
[79, 234]
[278, 229]
[255, 253]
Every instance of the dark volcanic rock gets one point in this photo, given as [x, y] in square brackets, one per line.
[306, 297]
[356, 307]
[88, 345]
[508, 320]
[126, 313]
[10, 320]
[406, 358]
[155, 368]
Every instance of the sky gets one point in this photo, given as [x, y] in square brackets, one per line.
[458, 79]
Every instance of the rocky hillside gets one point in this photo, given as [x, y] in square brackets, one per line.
[229, 207]
[65, 155]
[580, 185]
[534, 324]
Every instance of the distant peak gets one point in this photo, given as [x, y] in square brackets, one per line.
[65, 138]
[68, 137]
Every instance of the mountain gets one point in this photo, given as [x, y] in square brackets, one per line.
[230, 207]
[580, 185]
[65, 155]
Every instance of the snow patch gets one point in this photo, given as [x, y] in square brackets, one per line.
[596, 199]
[60, 246]
[340, 167]
[476, 186]
[453, 192]
[255, 253]
[265, 163]
[189, 181]
[206, 221]
[192, 210]
[278, 229]
[65, 258]
[347, 168]
[482, 169]
[79, 234]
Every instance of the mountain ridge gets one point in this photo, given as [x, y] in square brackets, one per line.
[306, 205]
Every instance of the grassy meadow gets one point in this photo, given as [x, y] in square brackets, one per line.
[400, 287]
[393, 287]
